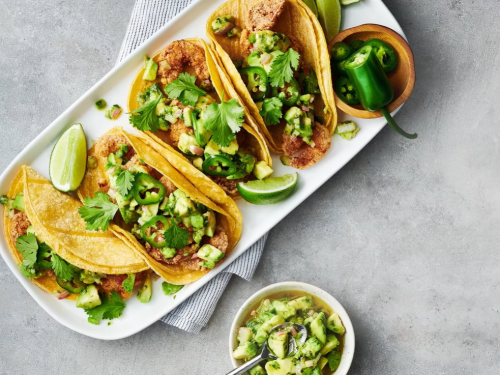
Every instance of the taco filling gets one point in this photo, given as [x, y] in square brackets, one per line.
[180, 105]
[284, 89]
[173, 228]
[39, 261]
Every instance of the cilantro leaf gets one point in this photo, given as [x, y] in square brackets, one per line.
[145, 118]
[224, 120]
[44, 251]
[108, 309]
[28, 247]
[176, 236]
[310, 83]
[169, 289]
[128, 283]
[124, 182]
[281, 68]
[62, 268]
[184, 89]
[98, 211]
[271, 111]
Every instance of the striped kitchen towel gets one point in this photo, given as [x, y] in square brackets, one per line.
[194, 313]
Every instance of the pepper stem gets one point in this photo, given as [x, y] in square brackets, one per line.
[395, 126]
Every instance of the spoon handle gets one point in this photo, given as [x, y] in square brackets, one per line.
[247, 366]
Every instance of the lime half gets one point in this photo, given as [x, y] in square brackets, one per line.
[68, 160]
[312, 5]
[269, 191]
[330, 17]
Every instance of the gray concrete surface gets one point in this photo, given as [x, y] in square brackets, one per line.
[406, 236]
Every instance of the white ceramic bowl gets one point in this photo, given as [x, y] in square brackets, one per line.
[250, 303]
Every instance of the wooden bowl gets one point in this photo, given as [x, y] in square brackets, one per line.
[402, 78]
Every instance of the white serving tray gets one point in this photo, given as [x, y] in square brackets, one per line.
[257, 220]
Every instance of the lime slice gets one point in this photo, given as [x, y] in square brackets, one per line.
[68, 160]
[312, 5]
[349, 2]
[330, 17]
[268, 191]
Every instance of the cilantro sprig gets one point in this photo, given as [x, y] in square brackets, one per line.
[281, 68]
[224, 120]
[110, 308]
[271, 111]
[61, 268]
[145, 118]
[176, 236]
[124, 182]
[98, 211]
[184, 88]
[28, 247]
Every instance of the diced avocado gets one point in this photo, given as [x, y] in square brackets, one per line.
[334, 359]
[183, 206]
[221, 25]
[302, 303]
[265, 315]
[267, 66]
[318, 328]
[89, 277]
[254, 59]
[129, 216]
[198, 163]
[212, 221]
[168, 252]
[321, 364]
[185, 141]
[212, 148]
[244, 335]
[171, 114]
[114, 160]
[88, 298]
[334, 324]
[261, 335]
[331, 343]
[280, 367]
[235, 31]
[100, 104]
[201, 134]
[148, 212]
[144, 294]
[150, 70]
[186, 115]
[245, 351]
[257, 370]
[204, 101]
[278, 343]
[31, 230]
[254, 325]
[311, 347]
[285, 310]
[232, 148]
[347, 130]
[268, 41]
[261, 170]
[317, 370]
[208, 252]
[197, 221]
[293, 115]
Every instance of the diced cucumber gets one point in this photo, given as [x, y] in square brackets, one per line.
[335, 325]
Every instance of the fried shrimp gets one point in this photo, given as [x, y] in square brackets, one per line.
[177, 55]
[169, 186]
[264, 15]
[20, 225]
[322, 141]
[110, 143]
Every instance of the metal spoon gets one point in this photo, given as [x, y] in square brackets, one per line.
[266, 353]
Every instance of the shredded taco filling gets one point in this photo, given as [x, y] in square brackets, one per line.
[174, 228]
[39, 260]
[184, 111]
[281, 86]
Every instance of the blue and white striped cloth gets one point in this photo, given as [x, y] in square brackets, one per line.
[194, 313]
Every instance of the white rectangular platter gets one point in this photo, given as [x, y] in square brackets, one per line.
[257, 220]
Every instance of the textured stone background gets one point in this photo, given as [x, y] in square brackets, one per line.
[405, 236]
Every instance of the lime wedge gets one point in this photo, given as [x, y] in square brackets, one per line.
[330, 17]
[68, 160]
[312, 5]
[349, 2]
[268, 191]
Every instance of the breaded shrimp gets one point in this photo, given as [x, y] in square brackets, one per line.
[110, 143]
[177, 55]
[20, 225]
[311, 155]
[169, 186]
[263, 16]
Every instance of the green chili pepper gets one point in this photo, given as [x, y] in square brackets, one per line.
[289, 95]
[74, 286]
[147, 190]
[341, 51]
[346, 91]
[256, 80]
[356, 44]
[150, 236]
[338, 68]
[385, 54]
[372, 85]
[219, 166]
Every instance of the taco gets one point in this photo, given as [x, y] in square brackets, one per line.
[276, 56]
[180, 232]
[52, 247]
[181, 99]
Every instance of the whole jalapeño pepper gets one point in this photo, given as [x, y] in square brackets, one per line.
[147, 190]
[372, 85]
[255, 78]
